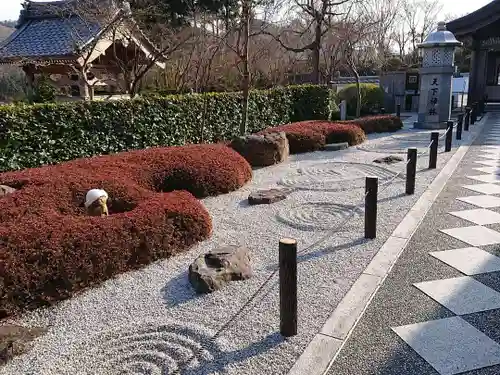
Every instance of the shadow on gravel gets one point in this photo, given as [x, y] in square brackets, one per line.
[178, 291]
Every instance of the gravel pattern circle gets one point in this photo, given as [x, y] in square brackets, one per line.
[400, 144]
[335, 176]
[318, 216]
[171, 348]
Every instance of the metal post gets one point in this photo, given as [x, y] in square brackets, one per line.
[448, 137]
[371, 191]
[288, 286]
[398, 110]
[467, 119]
[411, 170]
[459, 126]
[434, 150]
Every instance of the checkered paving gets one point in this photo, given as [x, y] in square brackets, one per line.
[452, 345]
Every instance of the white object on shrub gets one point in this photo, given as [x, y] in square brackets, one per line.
[93, 195]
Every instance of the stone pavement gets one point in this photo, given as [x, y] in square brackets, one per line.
[438, 311]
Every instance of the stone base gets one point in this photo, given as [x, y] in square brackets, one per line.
[336, 146]
[430, 125]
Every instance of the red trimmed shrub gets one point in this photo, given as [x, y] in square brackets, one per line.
[49, 247]
[377, 124]
[306, 136]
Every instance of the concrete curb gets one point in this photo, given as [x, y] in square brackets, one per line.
[323, 349]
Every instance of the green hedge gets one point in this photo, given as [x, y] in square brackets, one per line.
[34, 135]
[372, 98]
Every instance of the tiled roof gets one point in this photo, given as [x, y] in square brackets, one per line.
[48, 37]
[349, 80]
[49, 29]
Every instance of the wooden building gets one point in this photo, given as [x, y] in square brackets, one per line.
[87, 49]
[480, 31]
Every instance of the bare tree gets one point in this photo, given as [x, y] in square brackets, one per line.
[312, 20]
[420, 18]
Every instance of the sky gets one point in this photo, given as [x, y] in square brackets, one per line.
[9, 9]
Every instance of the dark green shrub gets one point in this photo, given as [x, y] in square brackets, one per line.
[34, 135]
[372, 98]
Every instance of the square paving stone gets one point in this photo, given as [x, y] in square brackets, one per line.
[486, 177]
[490, 156]
[484, 188]
[475, 235]
[469, 260]
[484, 201]
[461, 295]
[491, 169]
[450, 345]
[479, 216]
[489, 163]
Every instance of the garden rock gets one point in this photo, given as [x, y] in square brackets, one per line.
[267, 196]
[336, 146]
[388, 160]
[14, 340]
[213, 270]
[262, 150]
[4, 190]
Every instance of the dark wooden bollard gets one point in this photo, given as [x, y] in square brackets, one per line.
[288, 286]
[398, 110]
[433, 150]
[473, 114]
[411, 170]
[467, 119]
[449, 136]
[460, 122]
[371, 191]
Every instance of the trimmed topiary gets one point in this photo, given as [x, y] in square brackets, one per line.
[309, 136]
[50, 249]
[377, 124]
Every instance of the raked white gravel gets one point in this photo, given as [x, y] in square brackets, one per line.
[151, 322]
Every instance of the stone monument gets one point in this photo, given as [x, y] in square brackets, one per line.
[436, 74]
[343, 110]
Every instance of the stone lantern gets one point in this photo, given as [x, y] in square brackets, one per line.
[438, 55]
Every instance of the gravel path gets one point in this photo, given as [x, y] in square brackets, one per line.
[151, 322]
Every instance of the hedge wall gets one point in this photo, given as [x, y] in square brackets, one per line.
[34, 135]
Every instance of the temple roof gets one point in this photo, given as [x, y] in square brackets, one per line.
[477, 21]
[58, 31]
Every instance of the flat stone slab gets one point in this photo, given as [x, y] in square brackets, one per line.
[267, 196]
[461, 295]
[484, 188]
[484, 201]
[474, 235]
[15, 340]
[336, 146]
[450, 345]
[391, 159]
[478, 216]
[469, 260]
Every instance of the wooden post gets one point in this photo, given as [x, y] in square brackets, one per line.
[448, 137]
[467, 119]
[434, 150]
[459, 126]
[398, 110]
[371, 191]
[411, 170]
[288, 286]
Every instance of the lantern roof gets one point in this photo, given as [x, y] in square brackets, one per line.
[440, 38]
